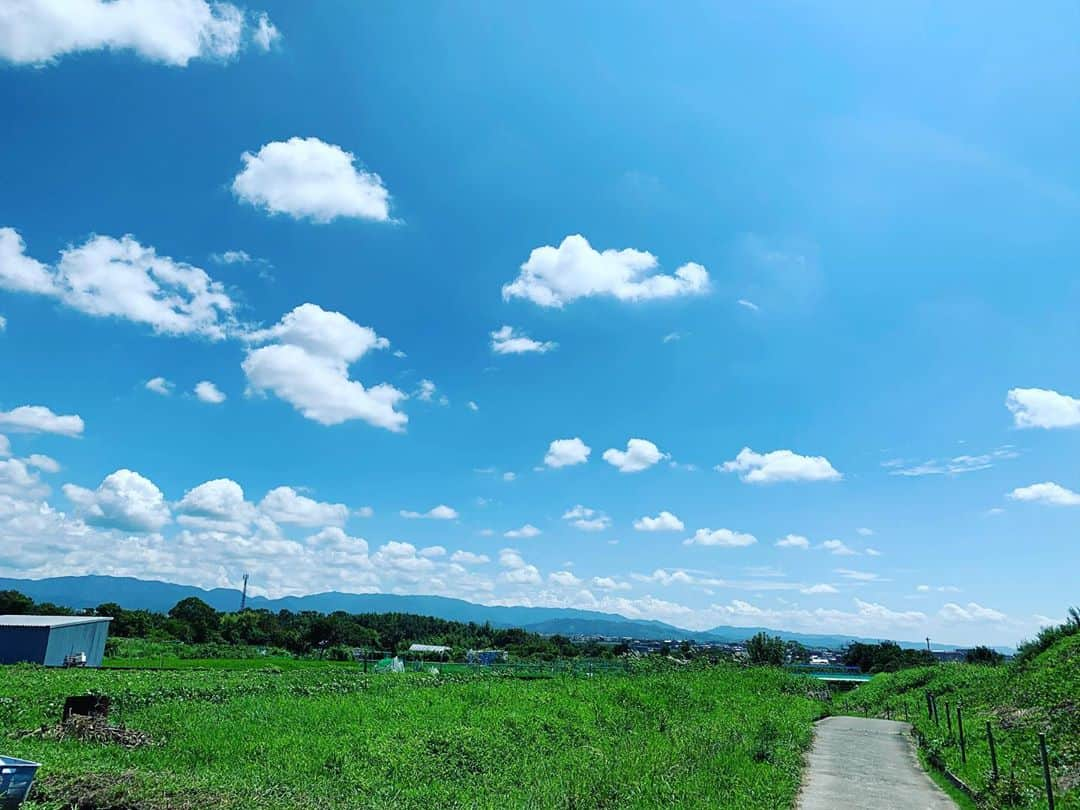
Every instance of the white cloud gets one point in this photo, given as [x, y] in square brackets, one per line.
[720, 537]
[671, 337]
[286, 505]
[864, 532]
[217, 505]
[472, 406]
[37, 32]
[957, 465]
[664, 522]
[528, 530]
[469, 558]
[972, 612]
[159, 385]
[120, 278]
[39, 419]
[814, 590]
[440, 512]
[640, 454]
[517, 571]
[265, 33]
[233, 257]
[42, 462]
[566, 452]
[206, 391]
[938, 588]
[564, 579]
[3, 323]
[873, 552]
[779, 465]
[364, 512]
[432, 552]
[858, 576]
[838, 547]
[586, 519]
[1042, 408]
[1046, 492]
[307, 365]
[18, 481]
[609, 584]
[793, 541]
[125, 500]
[509, 476]
[750, 305]
[507, 340]
[5, 446]
[554, 276]
[307, 178]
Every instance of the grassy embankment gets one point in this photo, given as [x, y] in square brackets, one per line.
[1018, 700]
[327, 737]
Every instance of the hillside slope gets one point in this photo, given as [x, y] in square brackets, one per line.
[1018, 700]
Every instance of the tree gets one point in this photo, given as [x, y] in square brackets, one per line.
[765, 650]
[984, 655]
[14, 603]
[201, 620]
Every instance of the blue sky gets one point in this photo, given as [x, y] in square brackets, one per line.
[834, 236]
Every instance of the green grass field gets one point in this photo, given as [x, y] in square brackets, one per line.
[332, 737]
[1019, 702]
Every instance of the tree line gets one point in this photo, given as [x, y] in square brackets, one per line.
[193, 621]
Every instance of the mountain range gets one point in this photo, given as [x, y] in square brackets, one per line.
[91, 591]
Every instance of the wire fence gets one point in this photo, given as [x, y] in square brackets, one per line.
[1007, 766]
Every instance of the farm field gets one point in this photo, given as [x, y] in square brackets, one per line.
[716, 736]
[1018, 700]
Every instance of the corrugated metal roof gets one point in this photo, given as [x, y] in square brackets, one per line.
[50, 621]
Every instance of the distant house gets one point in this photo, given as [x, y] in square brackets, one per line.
[54, 641]
[427, 650]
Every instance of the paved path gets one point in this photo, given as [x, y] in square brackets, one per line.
[861, 763]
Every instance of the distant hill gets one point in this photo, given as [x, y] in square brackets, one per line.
[91, 591]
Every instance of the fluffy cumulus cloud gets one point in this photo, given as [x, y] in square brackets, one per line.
[720, 537]
[159, 385]
[306, 363]
[286, 505]
[779, 466]
[564, 579]
[469, 558]
[640, 454]
[555, 276]
[664, 522]
[838, 547]
[1042, 408]
[125, 501]
[309, 179]
[507, 340]
[1047, 492]
[218, 505]
[120, 278]
[567, 452]
[206, 391]
[37, 32]
[528, 530]
[793, 541]
[515, 570]
[609, 584]
[971, 612]
[440, 512]
[5, 446]
[586, 519]
[39, 419]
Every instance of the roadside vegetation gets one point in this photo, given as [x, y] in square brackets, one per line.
[666, 735]
[1037, 692]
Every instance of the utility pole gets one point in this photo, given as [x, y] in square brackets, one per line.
[243, 596]
[927, 638]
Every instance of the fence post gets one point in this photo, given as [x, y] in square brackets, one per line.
[1046, 772]
[963, 745]
[993, 751]
[948, 716]
[929, 706]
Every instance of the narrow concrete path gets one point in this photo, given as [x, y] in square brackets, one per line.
[861, 763]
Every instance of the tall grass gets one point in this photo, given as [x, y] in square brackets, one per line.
[705, 737]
